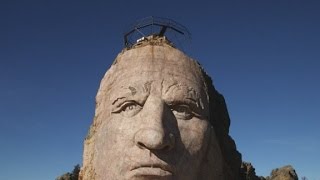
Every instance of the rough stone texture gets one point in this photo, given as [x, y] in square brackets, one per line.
[158, 116]
[248, 172]
[283, 173]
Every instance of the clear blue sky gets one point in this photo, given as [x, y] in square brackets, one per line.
[263, 56]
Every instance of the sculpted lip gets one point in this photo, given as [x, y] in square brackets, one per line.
[147, 169]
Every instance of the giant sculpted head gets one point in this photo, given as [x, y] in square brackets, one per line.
[158, 116]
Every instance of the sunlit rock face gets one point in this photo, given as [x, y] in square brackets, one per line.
[159, 117]
[283, 173]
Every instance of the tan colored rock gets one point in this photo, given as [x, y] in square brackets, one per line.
[158, 116]
[283, 173]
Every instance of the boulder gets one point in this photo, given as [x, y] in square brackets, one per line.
[283, 173]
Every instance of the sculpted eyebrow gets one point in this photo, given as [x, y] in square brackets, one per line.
[170, 86]
[191, 93]
[122, 93]
[189, 96]
[130, 93]
[117, 100]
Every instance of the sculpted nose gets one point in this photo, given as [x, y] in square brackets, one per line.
[154, 139]
[154, 132]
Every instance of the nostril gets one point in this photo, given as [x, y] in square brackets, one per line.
[141, 145]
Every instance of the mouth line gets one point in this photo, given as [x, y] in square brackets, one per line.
[160, 166]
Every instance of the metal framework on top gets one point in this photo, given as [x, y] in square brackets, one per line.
[155, 26]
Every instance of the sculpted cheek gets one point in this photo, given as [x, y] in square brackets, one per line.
[194, 135]
[109, 144]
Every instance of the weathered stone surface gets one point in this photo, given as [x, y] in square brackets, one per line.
[248, 172]
[283, 173]
[158, 116]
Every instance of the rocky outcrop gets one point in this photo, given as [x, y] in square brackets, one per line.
[67, 176]
[74, 175]
[248, 172]
[283, 173]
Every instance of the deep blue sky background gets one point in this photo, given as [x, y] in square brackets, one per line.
[263, 56]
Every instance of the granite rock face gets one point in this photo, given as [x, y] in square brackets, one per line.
[158, 116]
[283, 173]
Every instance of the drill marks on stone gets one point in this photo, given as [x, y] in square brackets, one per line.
[175, 83]
[147, 87]
[133, 90]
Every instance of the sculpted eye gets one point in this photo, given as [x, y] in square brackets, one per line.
[182, 111]
[128, 109]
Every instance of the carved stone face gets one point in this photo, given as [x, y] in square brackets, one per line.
[154, 118]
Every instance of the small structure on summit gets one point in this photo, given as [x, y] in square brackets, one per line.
[155, 28]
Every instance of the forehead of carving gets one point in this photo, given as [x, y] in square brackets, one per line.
[155, 61]
[138, 82]
[188, 90]
[169, 89]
